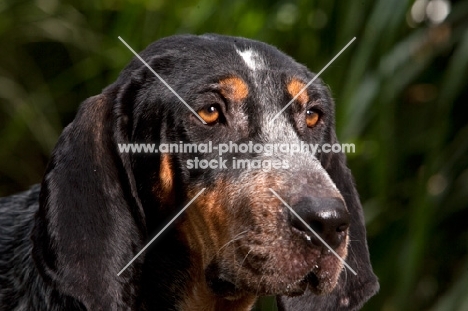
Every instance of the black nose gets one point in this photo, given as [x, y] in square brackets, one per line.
[328, 217]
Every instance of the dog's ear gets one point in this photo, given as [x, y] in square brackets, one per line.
[351, 291]
[90, 222]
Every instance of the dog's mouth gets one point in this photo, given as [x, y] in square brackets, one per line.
[223, 285]
[228, 290]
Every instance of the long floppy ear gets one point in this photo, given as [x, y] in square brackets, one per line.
[90, 221]
[351, 291]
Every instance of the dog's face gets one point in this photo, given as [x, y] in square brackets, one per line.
[246, 238]
[249, 233]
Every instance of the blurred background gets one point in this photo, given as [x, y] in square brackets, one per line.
[401, 96]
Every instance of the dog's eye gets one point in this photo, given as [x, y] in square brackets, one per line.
[210, 114]
[312, 117]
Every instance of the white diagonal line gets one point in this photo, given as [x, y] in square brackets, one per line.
[312, 81]
[315, 233]
[159, 233]
[161, 79]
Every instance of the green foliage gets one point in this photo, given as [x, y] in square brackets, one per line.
[400, 93]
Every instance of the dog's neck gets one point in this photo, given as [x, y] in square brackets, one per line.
[177, 276]
[199, 297]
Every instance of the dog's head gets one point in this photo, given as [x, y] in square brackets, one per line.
[265, 185]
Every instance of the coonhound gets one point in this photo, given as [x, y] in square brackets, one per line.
[63, 242]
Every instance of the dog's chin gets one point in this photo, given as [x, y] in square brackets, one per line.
[312, 282]
[222, 285]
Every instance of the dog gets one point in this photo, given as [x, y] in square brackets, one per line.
[63, 242]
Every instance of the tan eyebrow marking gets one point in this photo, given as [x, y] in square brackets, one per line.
[234, 88]
[294, 87]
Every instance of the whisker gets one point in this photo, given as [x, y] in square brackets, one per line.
[235, 238]
[259, 284]
[242, 263]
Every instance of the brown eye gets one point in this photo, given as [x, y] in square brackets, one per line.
[209, 114]
[312, 117]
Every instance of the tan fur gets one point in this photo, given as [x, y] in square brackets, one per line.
[234, 88]
[294, 87]
[164, 189]
[205, 231]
